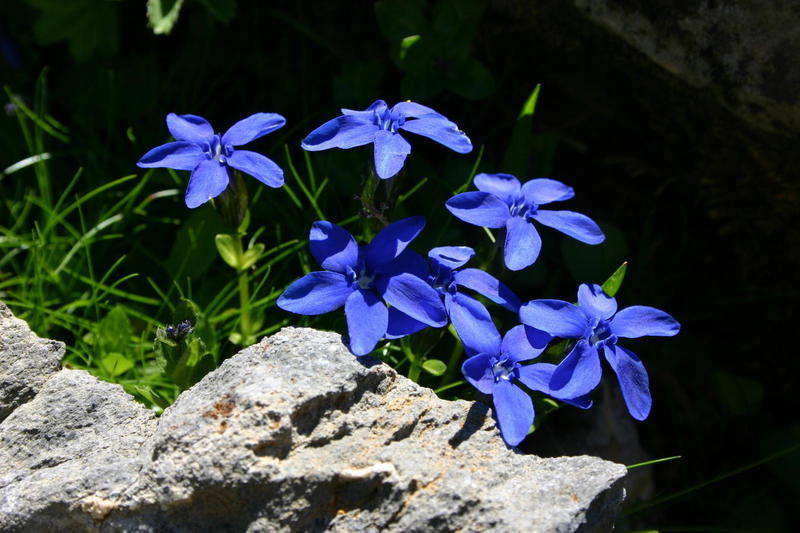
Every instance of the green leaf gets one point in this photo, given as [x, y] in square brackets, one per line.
[90, 26]
[434, 367]
[251, 256]
[517, 154]
[406, 44]
[163, 14]
[113, 332]
[222, 10]
[472, 80]
[193, 251]
[359, 81]
[612, 284]
[115, 364]
[529, 107]
[401, 18]
[228, 249]
[457, 18]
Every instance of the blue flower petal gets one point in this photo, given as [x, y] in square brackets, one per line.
[641, 320]
[347, 131]
[181, 155]
[543, 191]
[391, 150]
[332, 246]
[451, 256]
[522, 244]
[207, 181]
[252, 127]
[414, 110]
[489, 286]
[415, 298]
[633, 380]
[378, 106]
[473, 324]
[537, 376]
[440, 130]
[400, 324]
[408, 261]
[479, 208]
[595, 302]
[581, 402]
[260, 167]
[392, 240]
[578, 374]
[514, 410]
[478, 372]
[575, 225]
[504, 186]
[190, 128]
[524, 342]
[315, 293]
[556, 317]
[367, 318]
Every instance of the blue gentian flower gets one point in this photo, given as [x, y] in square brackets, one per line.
[210, 156]
[502, 202]
[364, 279]
[469, 316]
[598, 326]
[380, 124]
[495, 368]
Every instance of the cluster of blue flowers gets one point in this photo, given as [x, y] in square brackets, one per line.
[388, 291]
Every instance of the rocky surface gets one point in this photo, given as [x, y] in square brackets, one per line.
[291, 434]
[22, 377]
[742, 50]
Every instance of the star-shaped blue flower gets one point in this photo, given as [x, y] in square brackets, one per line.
[210, 156]
[379, 124]
[502, 202]
[598, 325]
[364, 279]
[495, 368]
[469, 317]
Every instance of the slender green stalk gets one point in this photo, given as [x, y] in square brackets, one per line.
[244, 295]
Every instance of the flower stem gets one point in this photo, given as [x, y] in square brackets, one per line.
[244, 295]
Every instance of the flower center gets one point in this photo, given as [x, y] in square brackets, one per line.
[389, 121]
[361, 277]
[442, 280]
[217, 150]
[602, 334]
[520, 208]
[504, 369]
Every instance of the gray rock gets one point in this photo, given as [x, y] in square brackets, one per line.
[66, 455]
[26, 361]
[291, 434]
[745, 51]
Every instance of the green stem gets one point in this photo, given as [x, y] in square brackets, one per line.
[244, 295]
[414, 371]
[415, 365]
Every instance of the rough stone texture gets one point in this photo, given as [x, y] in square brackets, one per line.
[292, 434]
[744, 50]
[26, 361]
[67, 455]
